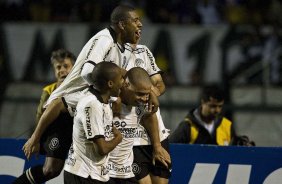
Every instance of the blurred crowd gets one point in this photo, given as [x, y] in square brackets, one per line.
[204, 12]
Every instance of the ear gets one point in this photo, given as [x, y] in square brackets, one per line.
[110, 84]
[121, 25]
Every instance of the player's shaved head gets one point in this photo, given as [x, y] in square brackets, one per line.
[120, 13]
[104, 72]
[138, 77]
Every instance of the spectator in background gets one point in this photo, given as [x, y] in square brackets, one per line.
[205, 124]
[62, 62]
[56, 140]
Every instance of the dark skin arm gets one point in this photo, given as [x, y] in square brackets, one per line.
[150, 123]
[49, 115]
[104, 147]
[158, 83]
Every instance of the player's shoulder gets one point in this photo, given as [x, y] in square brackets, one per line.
[105, 35]
[87, 100]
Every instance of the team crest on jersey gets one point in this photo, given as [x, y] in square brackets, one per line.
[139, 63]
[139, 111]
[54, 143]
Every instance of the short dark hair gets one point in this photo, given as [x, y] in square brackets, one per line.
[102, 73]
[138, 75]
[120, 13]
[212, 91]
[61, 54]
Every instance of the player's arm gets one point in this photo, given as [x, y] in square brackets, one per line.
[52, 111]
[158, 84]
[154, 72]
[95, 55]
[150, 123]
[104, 147]
[95, 130]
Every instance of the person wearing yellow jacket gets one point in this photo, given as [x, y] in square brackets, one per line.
[205, 124]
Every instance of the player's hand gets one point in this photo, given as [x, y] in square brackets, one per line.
[31, 147]
[117, 134]
[160, 154]
[153, 103]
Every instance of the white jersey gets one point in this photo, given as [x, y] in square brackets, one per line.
[142, 137]
[92, 120]
[103, 47]
[70, 100]
[121, 158]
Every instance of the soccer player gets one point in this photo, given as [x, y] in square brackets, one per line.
[55, 142]
[93, 130]
[134, 96]
[109, 44]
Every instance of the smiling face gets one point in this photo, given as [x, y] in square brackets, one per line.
[131, 28]
[62, 68]
[135, 94]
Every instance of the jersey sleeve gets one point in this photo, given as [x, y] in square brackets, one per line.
[95, 54]
[152, 68]
[92, 120]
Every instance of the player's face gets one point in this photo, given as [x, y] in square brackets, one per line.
[138, 95]
[118, 83]
[212, 108]
[132, 28]
[62, 69]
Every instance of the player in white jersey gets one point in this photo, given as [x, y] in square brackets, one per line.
[92, 129]
[134, 94]
[128, 123]
[108, 44]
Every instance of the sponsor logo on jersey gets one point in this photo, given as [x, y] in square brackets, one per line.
[104, 170]
[139, 63]
[54, 144]
[108, 132]
[151, 60]
[88, 124]
[91, 48]
[118, 169]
